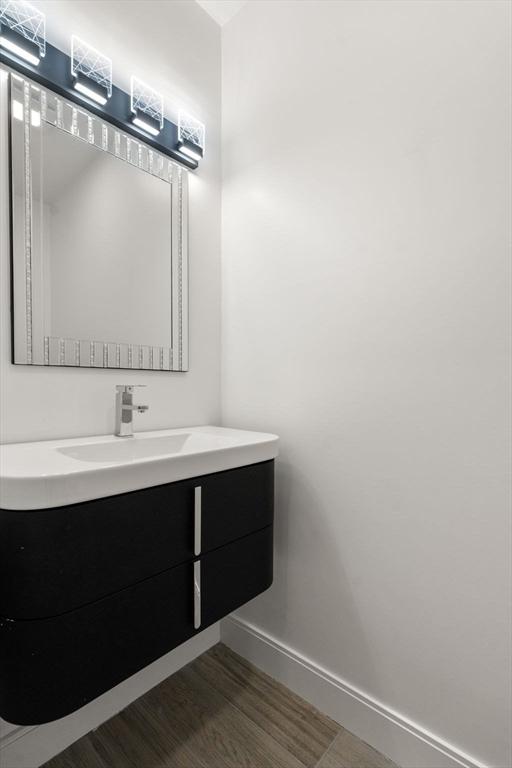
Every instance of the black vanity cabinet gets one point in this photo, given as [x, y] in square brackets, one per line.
[91, 593]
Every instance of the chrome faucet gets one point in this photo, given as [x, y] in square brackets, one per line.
[125, 409]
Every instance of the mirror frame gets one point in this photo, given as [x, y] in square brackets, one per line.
[30, 344]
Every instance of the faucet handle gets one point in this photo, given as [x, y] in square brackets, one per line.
[128, 387]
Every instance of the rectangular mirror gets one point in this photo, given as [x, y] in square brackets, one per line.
[99, 241]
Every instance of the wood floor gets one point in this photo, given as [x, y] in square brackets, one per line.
[220, 712]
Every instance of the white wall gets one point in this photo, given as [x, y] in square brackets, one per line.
[365, 308]
[176, 47]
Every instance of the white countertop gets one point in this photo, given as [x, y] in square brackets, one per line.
[54, 473]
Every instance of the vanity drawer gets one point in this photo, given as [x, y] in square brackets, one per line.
[235, 503]
[235, 573]
[51, 667]
[56, 560]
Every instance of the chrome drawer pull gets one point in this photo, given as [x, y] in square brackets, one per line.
[197, 594]
[197, 520]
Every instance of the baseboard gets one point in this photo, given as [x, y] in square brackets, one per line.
[30, 747]
[403, 741]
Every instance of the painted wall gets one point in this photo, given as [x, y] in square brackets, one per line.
[176, 47]
[365, 320]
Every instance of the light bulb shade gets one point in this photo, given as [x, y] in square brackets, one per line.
[147, 106]
[20, 19]
[22, 30]
[91, 71]
[191, 135]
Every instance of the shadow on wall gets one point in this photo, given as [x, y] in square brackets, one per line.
[301, 516]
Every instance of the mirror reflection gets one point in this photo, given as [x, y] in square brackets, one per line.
[106, 230]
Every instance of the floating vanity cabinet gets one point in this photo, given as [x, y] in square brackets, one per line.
[91, 593]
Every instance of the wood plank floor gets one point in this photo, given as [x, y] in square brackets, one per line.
[220, 712]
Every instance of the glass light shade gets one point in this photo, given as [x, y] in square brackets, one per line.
[191, 131]
[145, 102]
[26, 22]
[88, 64]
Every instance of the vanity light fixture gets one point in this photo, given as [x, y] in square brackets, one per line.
[91, 71]
[191, 134]
[147, 107]
[22, 30]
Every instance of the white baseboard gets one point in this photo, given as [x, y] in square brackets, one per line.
[403, 741]
[31, 746]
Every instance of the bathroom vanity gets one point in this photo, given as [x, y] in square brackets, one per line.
[113, 552]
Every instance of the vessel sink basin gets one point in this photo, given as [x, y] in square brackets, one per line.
[56, 473]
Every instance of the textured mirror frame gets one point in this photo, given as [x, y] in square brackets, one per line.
[31, 107]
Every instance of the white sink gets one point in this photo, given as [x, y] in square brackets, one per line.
[139, 447]
[58, 472]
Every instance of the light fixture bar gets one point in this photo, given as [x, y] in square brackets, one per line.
[54, 73]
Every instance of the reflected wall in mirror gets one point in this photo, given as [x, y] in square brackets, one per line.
[99, 236]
